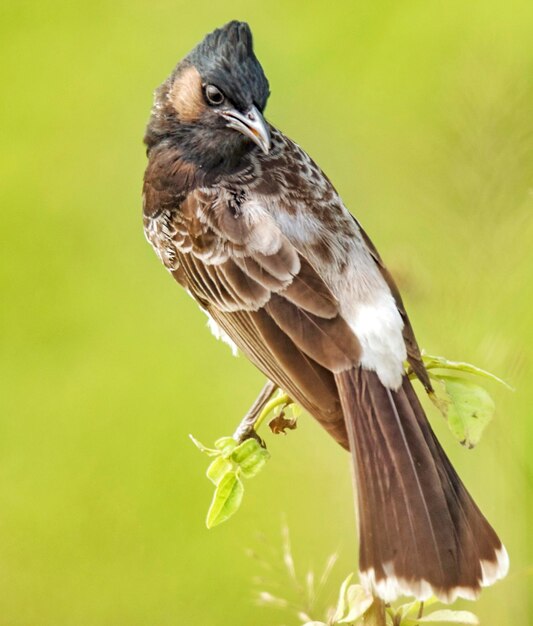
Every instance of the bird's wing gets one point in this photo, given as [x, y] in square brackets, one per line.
[261, 291]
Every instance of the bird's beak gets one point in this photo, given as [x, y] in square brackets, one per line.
[251, 124]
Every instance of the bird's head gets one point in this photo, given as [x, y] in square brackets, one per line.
[212, 104]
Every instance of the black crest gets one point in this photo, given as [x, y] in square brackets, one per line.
[226, 59]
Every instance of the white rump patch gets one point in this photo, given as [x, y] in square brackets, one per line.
[218, 333]
[392, 587]
[378, 327]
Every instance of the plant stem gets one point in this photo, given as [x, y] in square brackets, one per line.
[375, 616]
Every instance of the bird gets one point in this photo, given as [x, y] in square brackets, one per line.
[256, 233]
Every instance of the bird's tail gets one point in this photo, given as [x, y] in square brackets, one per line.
[421, 533]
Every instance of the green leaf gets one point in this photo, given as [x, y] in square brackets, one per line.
[469, 409]
[202, 448]
[448, 616]
[342, 601]
[293, 410]
[251, 457]
[358, 601]
[218, 468]
[230, 463]
[226, 499]
[413, 608]
[439, 362]
[244, 450]
[226, 445]
[404, 610]
[254, 463]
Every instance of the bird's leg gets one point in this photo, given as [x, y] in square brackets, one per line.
[246, 430]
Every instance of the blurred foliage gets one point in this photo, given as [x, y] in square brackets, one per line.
[306, 597]
[420, 112]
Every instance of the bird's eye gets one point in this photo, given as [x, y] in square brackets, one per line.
[213, 95]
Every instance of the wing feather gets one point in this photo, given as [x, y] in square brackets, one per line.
[265, 295]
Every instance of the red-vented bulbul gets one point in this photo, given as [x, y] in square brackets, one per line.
[252, 228]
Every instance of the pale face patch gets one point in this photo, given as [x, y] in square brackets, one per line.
[186, 95]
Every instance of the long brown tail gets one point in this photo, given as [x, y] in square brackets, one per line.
[421, 533]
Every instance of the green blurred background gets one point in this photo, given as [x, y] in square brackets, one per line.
[421, 113]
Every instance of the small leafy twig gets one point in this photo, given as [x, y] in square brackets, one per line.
[233, 460]
[467, 406]
[439, 362]
[231, 463]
